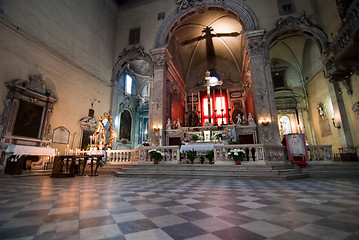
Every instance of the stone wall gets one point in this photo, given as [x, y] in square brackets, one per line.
[70, 45]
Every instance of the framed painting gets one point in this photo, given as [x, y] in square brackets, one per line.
[296, 146]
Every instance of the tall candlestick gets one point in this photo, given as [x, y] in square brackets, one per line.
[192, 102]
[185, 102]
[214, 107]
[220, 93]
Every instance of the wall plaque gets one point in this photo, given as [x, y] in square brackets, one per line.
[61, 135]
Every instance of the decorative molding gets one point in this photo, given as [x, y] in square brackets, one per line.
[235, 8]
[134, 50]
[255, 44]
[301, 24]
[158, 57]
[184, 4]
[34, 88]
[126, 104]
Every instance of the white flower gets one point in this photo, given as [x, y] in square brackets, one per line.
[235, 154]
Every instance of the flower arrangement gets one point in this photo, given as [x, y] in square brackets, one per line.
[191, 154]
[218, 136]
[196, 137]
[237, 154]
[156, 154]
[210, 155]
[302, 163]
[186, 140]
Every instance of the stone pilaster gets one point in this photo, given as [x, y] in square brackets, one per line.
[340, 114]
[157, 98]
[263, 93]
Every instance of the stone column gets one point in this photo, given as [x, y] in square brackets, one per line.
[157, 98]
[263, 93]
[340, 114]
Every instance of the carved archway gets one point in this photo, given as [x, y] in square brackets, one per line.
[234, 7]
[301, 24]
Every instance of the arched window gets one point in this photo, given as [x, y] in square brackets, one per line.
[128, 84]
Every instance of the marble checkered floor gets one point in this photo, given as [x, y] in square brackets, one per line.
[139, 208]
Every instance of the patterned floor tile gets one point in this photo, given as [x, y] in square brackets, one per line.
[183, 231]
[265, 229]
[143, 208]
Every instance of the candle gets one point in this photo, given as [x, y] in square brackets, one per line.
[192, 102]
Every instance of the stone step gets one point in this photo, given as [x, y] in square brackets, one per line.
[211, 171]
[214, 175]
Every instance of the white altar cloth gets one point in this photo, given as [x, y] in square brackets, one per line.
[29, 150]
[199, 147]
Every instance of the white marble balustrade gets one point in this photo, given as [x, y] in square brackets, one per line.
[255, 154]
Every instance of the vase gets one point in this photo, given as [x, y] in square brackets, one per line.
[202, 161]
[155, 161]
[238, 162]
[192, 162]
[302, 166]
[211, 162]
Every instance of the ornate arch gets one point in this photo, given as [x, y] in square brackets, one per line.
[234, 7]
[127, 55]
[301, 24]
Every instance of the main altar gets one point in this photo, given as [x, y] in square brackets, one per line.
[244, 132]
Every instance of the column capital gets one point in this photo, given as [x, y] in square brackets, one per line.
[255, 43]
[158, 57]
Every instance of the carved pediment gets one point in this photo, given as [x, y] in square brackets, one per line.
[34, 87]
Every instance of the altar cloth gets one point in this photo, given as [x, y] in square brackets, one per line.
[199, 147]
[30, 150]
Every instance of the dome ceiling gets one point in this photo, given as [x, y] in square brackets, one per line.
[206, 40]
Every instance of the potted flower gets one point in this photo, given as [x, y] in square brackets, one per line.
[237, 155]
[202, 157]
[156, 155]
[191, 155]
[210, 156]
[218, 136]
[302, 164]
[185, 140]
[196, 137]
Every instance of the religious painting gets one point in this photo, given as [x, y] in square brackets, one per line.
[193, 119]
[28, 120]
[125, 125]
[296, 146]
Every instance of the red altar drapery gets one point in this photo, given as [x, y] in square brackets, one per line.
[219, 100]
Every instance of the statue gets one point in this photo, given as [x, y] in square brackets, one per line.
[168, 126]
[178, 123]
[251, 120]
[239, 119]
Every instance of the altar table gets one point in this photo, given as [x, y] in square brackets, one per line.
[199, 147]
[30, 150]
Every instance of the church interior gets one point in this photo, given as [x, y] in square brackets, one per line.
[268, 70]
[198, 93]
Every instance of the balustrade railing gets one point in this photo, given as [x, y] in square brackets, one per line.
[255, 153]
[140, 155]
[320, 153]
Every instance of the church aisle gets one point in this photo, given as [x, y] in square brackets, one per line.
[107, 207]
